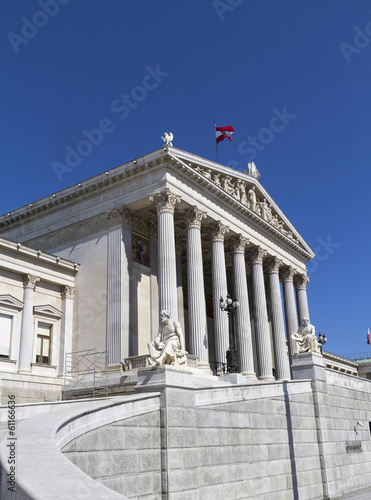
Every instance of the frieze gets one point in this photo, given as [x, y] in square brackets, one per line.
[82, 229]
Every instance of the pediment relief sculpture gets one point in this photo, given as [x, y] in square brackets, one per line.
[248, 195]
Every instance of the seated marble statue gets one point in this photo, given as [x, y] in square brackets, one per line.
[168, 346]
[305, 338]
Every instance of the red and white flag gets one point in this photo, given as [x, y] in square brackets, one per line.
[224, 132]
[368, 337]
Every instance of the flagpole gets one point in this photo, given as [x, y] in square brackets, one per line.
[216, 143]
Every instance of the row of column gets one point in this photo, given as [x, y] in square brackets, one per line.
[165, 202]
[27, 330]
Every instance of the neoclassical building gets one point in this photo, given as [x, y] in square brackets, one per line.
[169, 230]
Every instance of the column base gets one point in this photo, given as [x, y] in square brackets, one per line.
[250, 376]
[204, 367]
[266, 378]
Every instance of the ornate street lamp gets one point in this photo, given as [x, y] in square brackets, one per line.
[230, 307]
[322, 339]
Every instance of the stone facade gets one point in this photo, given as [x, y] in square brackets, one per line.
[173, 231]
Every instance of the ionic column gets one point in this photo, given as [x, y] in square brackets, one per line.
[300, 282]
[198, 342]
[262, 336]
[243, 325]
[26, 341]
[290, 308]
[219, 283]
[278, 328]
[165, 202]
[65, 346]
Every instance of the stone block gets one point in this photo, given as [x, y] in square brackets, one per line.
[210, 475]
[138, 438]
[188, 418]
[189, 437]
[175, 437]
[202, 418]
[124, 462]
[207, 437]
[148, 484]
[99, 464]
[149, 460]
[220, 419]
[182, 480]
[204, 456]
[221, 455]
[190, 458]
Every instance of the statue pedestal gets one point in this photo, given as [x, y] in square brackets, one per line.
[308, 365]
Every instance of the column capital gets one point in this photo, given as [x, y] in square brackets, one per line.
[217, 231]
[193, 217]
[287, 274]
[238, 243]
[273, 265]
[29, 281]
[67, 292]
[300, 281]
[120, 215]
[256, 255]
[165, 201]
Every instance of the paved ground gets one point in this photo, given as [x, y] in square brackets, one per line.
[361, 496]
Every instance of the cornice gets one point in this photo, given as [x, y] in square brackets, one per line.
[43, 257]
[177, 161]
[98, 223]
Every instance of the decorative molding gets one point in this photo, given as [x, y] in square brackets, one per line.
[48, 310]
[82, 229]
[193, 217]
[217, 231]
[300, 281]
[8, 300]
[273, 265]
[29, 281]
[67, 292]
[238, 243]
[287, 274]
[165, 201]
[256, 255]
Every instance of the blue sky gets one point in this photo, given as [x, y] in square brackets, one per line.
[66, 65]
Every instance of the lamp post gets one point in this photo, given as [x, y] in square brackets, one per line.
[322, 339]
[230, 307]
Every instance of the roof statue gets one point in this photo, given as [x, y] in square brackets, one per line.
[252, 170]
[168, 138]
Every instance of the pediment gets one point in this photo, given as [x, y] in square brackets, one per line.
[8, 300]
[48, 310]
[245, 189]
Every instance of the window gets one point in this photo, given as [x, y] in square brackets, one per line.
[43, 343]
[5, 329]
